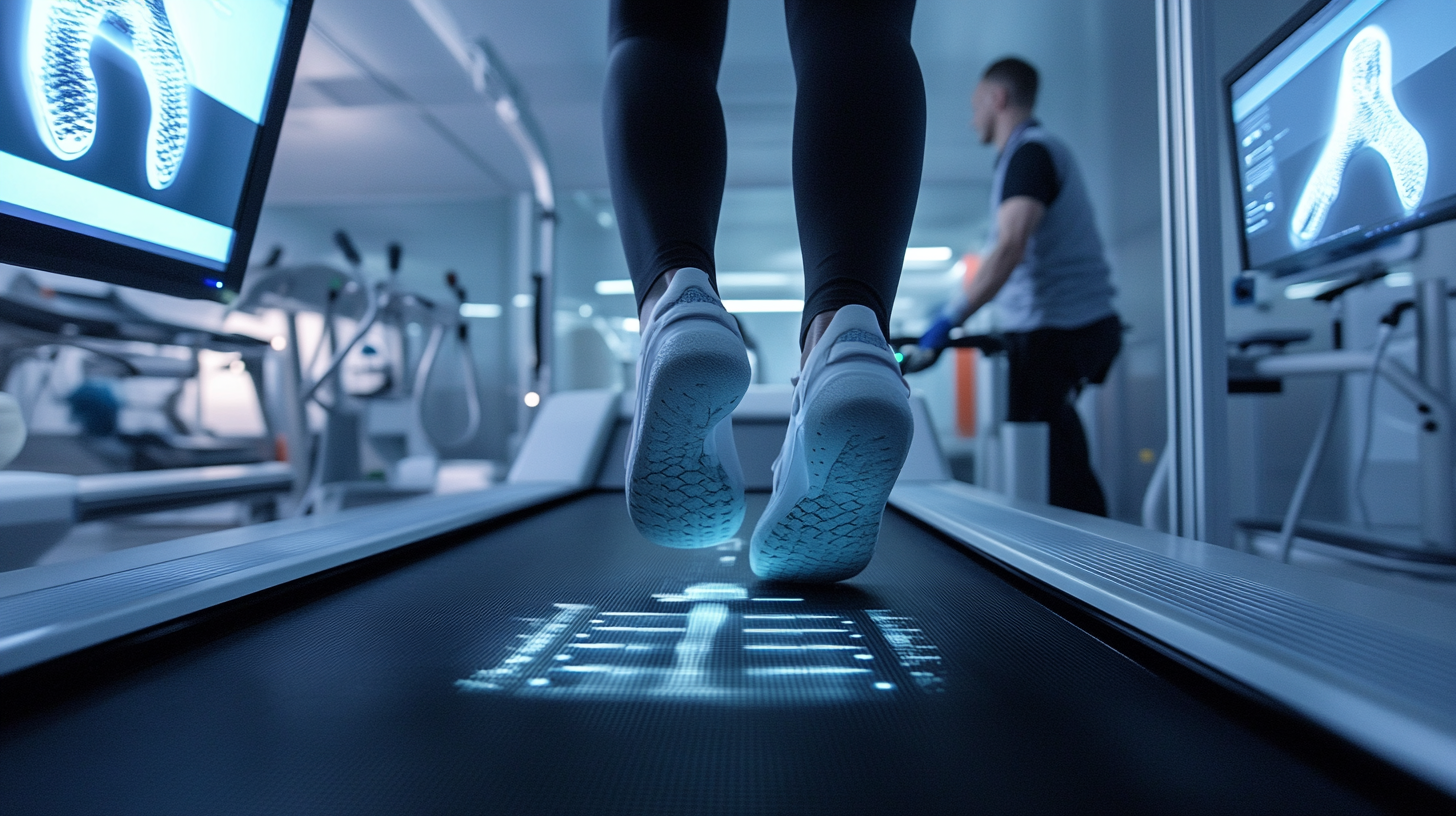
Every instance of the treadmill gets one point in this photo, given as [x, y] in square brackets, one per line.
[522, 650]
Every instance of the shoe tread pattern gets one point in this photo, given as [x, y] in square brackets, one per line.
[830, 534]
[678, 495]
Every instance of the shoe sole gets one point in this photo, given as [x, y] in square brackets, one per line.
[856, 444]
[677, 494]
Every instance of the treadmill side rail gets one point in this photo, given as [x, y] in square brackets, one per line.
[116, 494]
[1385, 687]
[41, 622]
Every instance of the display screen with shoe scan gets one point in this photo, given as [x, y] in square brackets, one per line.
[136, 136]
[1343, 131]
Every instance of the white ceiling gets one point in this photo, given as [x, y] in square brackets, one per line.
[380, 113]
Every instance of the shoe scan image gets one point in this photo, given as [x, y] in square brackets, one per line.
[63, 89]
[850, 426]
[684, 482]
[1366, 115]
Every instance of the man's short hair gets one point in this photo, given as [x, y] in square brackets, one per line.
[1019, 79]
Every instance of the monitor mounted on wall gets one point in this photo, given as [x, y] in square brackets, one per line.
[136, 136]
[1343, 131]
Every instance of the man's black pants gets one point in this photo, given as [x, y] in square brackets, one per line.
[1048, 369]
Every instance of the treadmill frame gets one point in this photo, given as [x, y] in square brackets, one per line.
[1368, 664]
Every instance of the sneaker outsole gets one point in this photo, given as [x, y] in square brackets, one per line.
[677, 494]
[855, 443]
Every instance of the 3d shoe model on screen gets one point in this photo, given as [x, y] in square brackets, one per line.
[63, 92]
[1365, 116]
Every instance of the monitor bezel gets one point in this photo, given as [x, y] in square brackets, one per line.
[1333, 251]
[54, 249]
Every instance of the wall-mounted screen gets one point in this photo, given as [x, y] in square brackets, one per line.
[1344, 130]
[136, 136]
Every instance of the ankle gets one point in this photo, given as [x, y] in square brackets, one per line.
[654, 294]
[817, 327]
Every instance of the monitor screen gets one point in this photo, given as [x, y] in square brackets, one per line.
[1344, 131]
[136, 136]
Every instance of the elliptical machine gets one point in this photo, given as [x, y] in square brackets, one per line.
[374, 445]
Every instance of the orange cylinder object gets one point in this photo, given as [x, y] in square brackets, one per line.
[965, 391]
[965, 367]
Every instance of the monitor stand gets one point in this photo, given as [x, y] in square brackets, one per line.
[1428, 389]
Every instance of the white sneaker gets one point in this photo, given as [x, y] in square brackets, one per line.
[849, 431]
[684, 483]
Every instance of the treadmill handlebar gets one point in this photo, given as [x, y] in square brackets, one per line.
[988, 343]
[913, 358]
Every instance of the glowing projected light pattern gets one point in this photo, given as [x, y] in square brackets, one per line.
[718, 644]
[62, 86]
[1365, 116]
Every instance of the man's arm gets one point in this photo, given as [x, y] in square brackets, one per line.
[1016, 221]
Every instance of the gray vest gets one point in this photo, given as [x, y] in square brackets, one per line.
[1063, 281]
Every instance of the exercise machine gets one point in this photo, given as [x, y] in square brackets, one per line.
[375, 444]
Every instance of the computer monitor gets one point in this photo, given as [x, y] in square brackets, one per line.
[1343, 131]
[136, 136]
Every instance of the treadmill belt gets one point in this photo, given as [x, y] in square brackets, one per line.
[562, 664]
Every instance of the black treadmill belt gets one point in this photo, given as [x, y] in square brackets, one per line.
[564, 665]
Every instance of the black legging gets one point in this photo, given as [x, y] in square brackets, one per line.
[859, 141]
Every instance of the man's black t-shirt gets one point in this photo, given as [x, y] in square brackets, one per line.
[1031, 173]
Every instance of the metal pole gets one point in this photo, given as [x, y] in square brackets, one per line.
[492, 79]
[296, 430]
[522, 311]
[1306, 475]
[1193, 285]
[1438, 517]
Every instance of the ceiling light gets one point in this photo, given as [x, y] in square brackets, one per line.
[480, 310]
[927, 254]
[1303, 291]
[763, 306]
[614, 287]
[758, 279]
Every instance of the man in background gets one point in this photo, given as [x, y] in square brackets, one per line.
[1048, 275]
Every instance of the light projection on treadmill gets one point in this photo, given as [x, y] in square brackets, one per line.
[62, 86]
[135, 121]
[1365, 116]
[714, 642]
